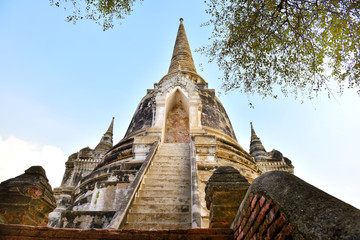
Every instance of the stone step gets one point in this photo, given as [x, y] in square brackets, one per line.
[167, 176]
[173, 152]
[165, 182]
[175, 145]
[168, 186]
[164, 167]
[171, 164]
[154, 170]
[171, 167]
[163, 193]
[171, 158]
[146, 208]
[173, 155]
[152, 226]
[173, 149]
[163, 200]
[183, 176]
[159, 218]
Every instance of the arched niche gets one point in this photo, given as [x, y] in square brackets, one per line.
[176, 125]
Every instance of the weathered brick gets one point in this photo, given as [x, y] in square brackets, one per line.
[245, 213]
[249, 234]
[241, 235]
[157, 236]
[238, 221]
[252, 219]
[26, 232]
[254, 201]
[246, 228]
[262, 200]
[220, 224]
[239, 230]
[260, 217]
[236, 234]
[269, 218]
[255, 212]
[244, 220]
[247, 203]
[285, 232]
[251, 197]
[275, 226]
[272, 214]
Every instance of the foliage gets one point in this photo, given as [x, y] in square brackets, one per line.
[102, 12]
[298, 46]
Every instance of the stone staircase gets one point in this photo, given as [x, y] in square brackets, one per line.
[163, 200]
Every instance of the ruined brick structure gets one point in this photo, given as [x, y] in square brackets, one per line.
[26, 199]
[279, 205]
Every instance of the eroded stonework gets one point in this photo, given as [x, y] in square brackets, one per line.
[26, 199]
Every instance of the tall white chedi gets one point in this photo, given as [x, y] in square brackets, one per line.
[155, 177]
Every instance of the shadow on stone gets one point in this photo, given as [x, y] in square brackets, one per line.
[225, 190]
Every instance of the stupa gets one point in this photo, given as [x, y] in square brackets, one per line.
[156, 176]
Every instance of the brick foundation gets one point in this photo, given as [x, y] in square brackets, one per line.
[262, 219]
[17, 232]
[279, 205]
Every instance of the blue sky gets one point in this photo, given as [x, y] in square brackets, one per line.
[60, 85]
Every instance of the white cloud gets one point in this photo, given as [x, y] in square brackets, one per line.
[17, 155]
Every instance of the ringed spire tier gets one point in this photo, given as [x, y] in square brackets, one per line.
[106, 141]
[182, 60]
[268, 161]
[256, 146]
[182, 57]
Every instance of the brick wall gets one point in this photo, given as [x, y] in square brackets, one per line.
[261, 219]
[279, 205]
[17, 232]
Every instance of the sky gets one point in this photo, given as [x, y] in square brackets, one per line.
[61, 84]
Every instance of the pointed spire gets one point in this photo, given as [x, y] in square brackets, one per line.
[111, 127]
[256, 147]
[106, 141]
[254, 137]
[182, 57]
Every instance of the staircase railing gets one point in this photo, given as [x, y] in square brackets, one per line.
[195, 200]
[120, 216]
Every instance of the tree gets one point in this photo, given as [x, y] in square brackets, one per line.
[297, 46]
[263, 46]
[102, 12]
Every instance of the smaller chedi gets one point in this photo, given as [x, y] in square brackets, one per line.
[268, 161]
[81, 164]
